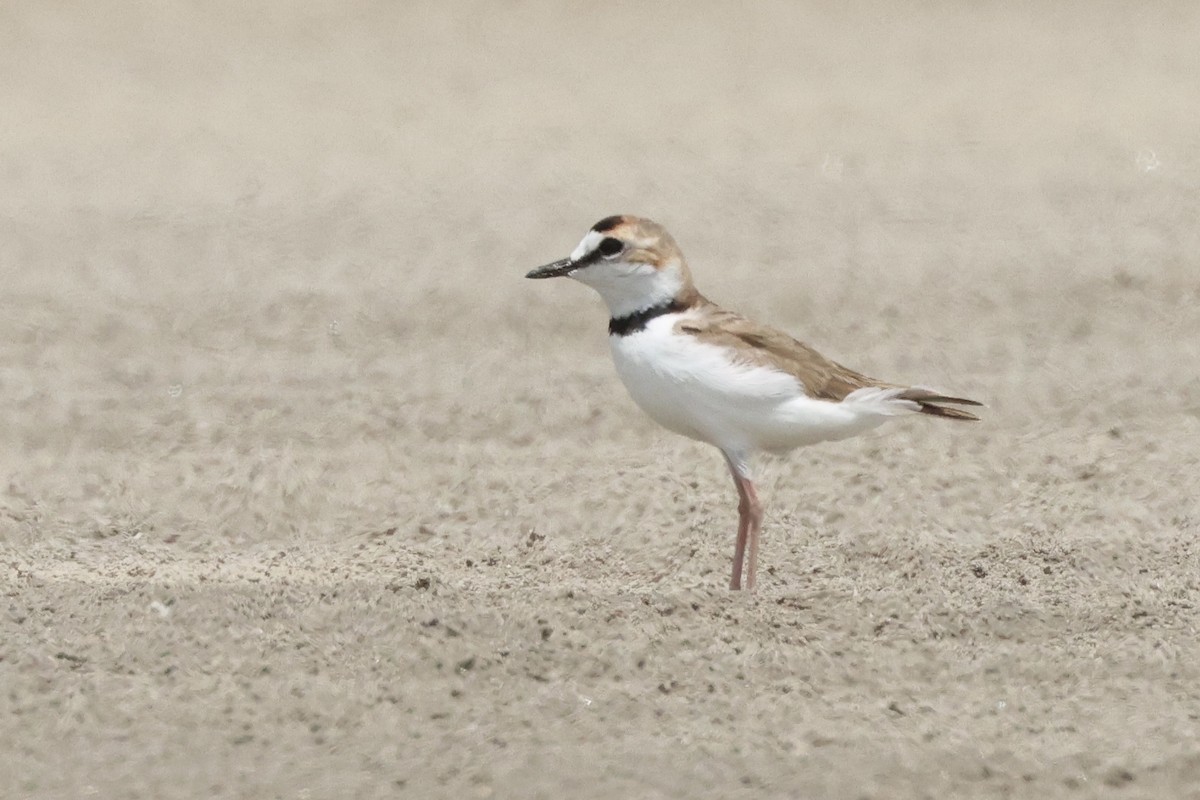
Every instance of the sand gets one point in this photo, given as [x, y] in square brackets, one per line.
[306, 493]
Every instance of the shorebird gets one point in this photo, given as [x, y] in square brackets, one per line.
[714, 376]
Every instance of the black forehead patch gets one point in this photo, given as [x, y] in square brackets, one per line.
[608, 223]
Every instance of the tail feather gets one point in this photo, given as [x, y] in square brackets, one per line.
[947, 413]
[934, 404]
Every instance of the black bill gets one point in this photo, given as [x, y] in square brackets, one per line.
[555, 270]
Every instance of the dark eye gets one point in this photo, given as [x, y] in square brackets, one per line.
[610, 246]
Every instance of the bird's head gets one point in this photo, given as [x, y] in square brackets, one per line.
[632, 262]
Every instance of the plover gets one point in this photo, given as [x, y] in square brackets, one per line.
[717, 377]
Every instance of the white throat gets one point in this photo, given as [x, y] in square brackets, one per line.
[630, 288]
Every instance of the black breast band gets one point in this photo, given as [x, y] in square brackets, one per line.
[632, 323]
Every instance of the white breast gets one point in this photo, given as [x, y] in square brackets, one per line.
[699, 390]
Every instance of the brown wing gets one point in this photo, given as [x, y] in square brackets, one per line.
[822, 378]
[761, 345]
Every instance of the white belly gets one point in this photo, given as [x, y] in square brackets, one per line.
[695, 389]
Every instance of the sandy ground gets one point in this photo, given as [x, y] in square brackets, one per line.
[304, 492]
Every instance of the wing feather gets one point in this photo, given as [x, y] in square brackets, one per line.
[822, 378]
[761, 345]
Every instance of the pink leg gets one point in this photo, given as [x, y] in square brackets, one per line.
[749, 523]
[755, 514]
[739, 547]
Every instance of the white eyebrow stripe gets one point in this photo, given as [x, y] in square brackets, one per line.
[589, 243]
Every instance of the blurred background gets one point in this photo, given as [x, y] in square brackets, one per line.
[208, 205]
[250, 227]
[261, 298]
